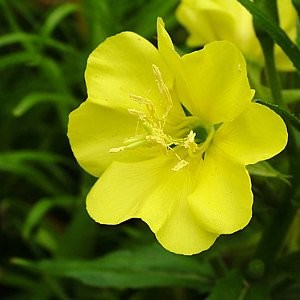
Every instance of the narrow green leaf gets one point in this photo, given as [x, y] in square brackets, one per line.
[34, 166]
[101, 20]
[144, 23]
[17, 58]
[148, 266]
[31, 155]
[55, 75]
[296, 4]
[264, 169]
[39, 210]
[14, 26]
[46, 239]
[30, 174]
[16, 37]
[12, 279]
[36, 98]
[56, 16]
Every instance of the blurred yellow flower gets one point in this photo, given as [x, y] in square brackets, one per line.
[170, 136]
[212, 20]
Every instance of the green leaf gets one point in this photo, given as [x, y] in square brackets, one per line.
[145, 22]
[101, 20]
[230, 287]
[290, 264]
[234, 287]
[56, 16]
[264, 169]
[296, 4]
[16, 37]
[36, 167]
[259, 290]
[17, 58]
[39, 210]
[148, 266]
[36, 98]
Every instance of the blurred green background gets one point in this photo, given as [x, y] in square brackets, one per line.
[50, 248]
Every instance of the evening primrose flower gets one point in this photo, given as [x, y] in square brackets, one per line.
[211, 20]
[170, 136]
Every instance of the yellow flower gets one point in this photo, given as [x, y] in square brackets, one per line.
[170, 136]
[211, 20]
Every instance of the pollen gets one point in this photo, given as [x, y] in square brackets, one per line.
[151, 122]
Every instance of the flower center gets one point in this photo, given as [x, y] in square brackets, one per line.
[200, 134]
[191, 138]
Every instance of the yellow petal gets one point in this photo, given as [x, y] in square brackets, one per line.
[206, 21]
[150, 190]
[166, 48]
[123, 66]
[211, 20]
[257, 134]
[167, 213]
[217, 81]
[119, 193]
[94, 129]
[222, 201]
[172, 59]
[211, 83]
[182, 233]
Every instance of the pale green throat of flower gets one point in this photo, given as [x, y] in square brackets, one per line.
[192, 135]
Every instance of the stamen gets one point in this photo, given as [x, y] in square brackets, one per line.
[131, 143]
[180, 165]
[191, 136]
[163, 89]
[118, 149]
[140, 99]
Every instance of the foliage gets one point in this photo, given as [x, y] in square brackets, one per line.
[50, 248]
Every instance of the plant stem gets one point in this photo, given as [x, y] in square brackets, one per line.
[272, 75]
[218, 266]
[274, 236]
[267, 45]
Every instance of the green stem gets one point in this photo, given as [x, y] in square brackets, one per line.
[267, 44]
[254, 71]
[274, 236]
[272, 74]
